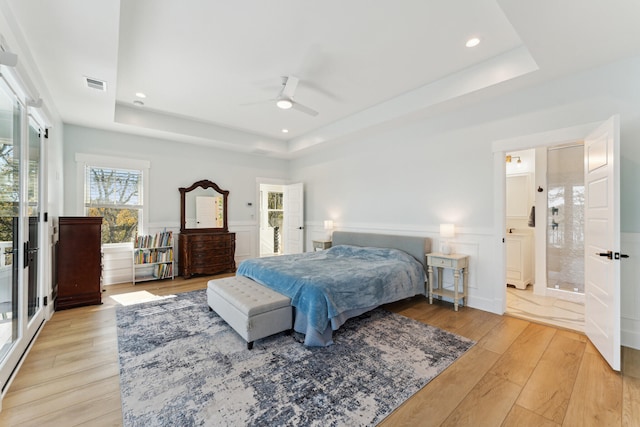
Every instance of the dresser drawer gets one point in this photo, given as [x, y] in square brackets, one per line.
[211, 242]
[442, 262]
[209, 246]
[212, 262]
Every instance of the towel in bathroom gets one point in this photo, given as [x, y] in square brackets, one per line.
[532, 217]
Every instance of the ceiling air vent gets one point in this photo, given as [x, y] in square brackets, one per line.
[96, 84]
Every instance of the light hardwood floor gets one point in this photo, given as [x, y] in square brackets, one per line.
[519, 373]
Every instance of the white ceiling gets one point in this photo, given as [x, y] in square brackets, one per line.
[209, 68]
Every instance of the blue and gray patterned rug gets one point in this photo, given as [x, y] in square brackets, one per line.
[182, 365]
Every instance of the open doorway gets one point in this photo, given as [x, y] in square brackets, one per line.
[281, 218]
[602, 257]
[544, 244]
[271, 219]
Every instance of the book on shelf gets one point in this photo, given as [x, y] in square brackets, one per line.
[152, 255]
[162, 239]
[163, 271]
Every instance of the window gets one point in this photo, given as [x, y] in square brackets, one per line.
[114, 190]
[274, 209]
[275, 216]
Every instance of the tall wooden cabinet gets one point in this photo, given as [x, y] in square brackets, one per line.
[207, 253]
[79, 262]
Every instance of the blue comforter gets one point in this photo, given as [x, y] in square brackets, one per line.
[326, 285]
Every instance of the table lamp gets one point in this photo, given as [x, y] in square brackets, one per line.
[447, 231]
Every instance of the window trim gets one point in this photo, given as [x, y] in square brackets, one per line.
[84, 160]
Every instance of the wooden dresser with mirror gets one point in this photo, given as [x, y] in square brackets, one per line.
[205, 244]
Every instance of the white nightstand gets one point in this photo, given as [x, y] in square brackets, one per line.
[319, 245]
[459, 263]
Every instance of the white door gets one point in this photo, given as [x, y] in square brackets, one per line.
[602, 240]
[293, 222]
[206, 212]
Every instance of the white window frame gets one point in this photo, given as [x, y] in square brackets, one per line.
[84, 160]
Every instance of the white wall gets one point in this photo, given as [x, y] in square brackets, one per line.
[411, 177]
[175, 165]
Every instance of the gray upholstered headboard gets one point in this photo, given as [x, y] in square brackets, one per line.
[414, 246]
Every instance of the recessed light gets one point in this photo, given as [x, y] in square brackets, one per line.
[138, 102]
[141, 95]
[285, 130]
[473, 42]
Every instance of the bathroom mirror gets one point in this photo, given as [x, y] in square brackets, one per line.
[203, 208]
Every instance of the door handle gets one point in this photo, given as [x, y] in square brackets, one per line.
[300, 228]
[608, 254]
[25, 259]
[619, 255]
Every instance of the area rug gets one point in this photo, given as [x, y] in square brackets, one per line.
[182, 365]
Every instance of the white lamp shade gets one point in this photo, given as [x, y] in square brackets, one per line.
[328, 224]
[447, 230]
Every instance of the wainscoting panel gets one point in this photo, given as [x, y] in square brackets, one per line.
[246, 240]
[117, 263]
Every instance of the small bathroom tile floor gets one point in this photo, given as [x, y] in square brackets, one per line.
[524, 304]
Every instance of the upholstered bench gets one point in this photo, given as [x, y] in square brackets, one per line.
[252, 310]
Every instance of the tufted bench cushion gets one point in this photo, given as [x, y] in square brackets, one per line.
[252, 310]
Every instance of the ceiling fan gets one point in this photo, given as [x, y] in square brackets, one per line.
[285, 99]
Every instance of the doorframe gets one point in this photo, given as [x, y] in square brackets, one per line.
[258, 214]
[500, 148]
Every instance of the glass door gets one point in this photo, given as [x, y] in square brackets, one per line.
[21, 232]
[33, 212]
[10, 173]
[565, 219]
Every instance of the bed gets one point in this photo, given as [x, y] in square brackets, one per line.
[359, 272]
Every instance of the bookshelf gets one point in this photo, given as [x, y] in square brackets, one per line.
[153, 257]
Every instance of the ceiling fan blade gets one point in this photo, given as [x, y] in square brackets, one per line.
[305, 109]
[290, 86]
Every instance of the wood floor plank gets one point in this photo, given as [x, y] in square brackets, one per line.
[521, 358]
[549, 388]
[66, 383]
[631, 362]
[431, 405]
[519, 417]
[630, 401]
[488, 403]
[82, 413]
[110, 419]
[503, 334]
[479, 326]
[99, 360]
[449, 321]
[60, 407]
[574, 335]
[597, 395]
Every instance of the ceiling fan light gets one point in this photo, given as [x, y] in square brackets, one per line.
[284, 103]
[472, 42]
